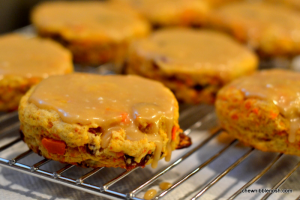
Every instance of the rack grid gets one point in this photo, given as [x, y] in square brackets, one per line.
[105, 190]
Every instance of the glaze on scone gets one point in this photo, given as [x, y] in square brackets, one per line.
[272, 30]
[263, 110]
[101, 121]
[24, 62]
[95, 32]
[194, 64]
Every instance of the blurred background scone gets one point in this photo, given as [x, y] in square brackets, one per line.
[26, 61]
[291, 3]
[272, 30]
[263, 110]
[95, 32]
[194, 64]
[171, 12]
[174, 12]
[100, 121]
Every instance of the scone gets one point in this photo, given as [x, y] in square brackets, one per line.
[263, 110]
[171, 12]
[24, 62]
[95, 32]
[291, 3]
[100, 121]
[194, 64]
[272, 30]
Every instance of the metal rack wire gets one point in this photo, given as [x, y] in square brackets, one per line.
[105, 189]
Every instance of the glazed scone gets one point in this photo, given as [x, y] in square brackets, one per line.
[291, 3]
[24, 62]
[263, 110]
[218, 3]
[194, 64]
[171, 12]
[95, 32]
[100, 121]
[272, 30]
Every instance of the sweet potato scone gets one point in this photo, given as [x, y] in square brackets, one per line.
[24, 62]
[171, 12]
[291, 3]
[270, 29]
[194, 64]
[95, 32]
[100, 121]
[263, 110]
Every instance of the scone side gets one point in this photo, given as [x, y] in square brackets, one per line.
[255, 122]
[83, 142]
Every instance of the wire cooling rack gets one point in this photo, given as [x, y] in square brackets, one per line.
[214, 167]
[193, 118]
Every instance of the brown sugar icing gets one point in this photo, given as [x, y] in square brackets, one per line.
[191, 51]
[111, 102]
[32, 57]
[279, 86]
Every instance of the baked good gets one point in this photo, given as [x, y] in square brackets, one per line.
[217, 3]
[291, 3]
[95, 32]
[171, 12]
[194, 64]
[270, 29]
[174, 12]
[263, 110]
[100, 121]
[26, 61]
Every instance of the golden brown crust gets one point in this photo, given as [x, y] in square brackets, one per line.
[255, 122]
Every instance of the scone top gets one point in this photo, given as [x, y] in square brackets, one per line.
[32, 57]
[281, 87]
[89, 20]
[180, 50]
[134, 104]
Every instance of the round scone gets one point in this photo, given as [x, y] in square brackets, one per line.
[100, 121]
[95, 32]
[26, 61]
[270, 29]
[171, 12]
[291, 3]
[194, 64]
[263, 110]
